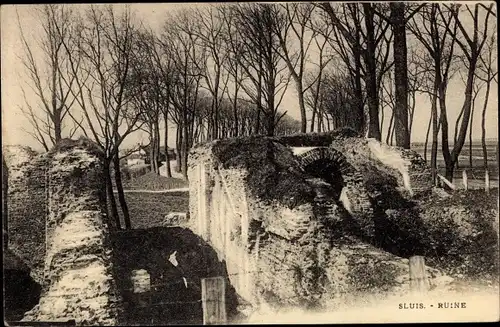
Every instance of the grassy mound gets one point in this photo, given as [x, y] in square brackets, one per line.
[456, 233]
[154, 182]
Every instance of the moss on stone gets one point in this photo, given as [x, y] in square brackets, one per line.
[273, 172]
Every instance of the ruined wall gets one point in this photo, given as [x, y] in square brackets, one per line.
[27, 206]
[56, 215]
[409, 169]
[280, 245]
[5, 187]
[78, 266]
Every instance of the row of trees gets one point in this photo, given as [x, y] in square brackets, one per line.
[223, 71]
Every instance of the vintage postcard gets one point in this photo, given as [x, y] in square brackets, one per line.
[247, 163]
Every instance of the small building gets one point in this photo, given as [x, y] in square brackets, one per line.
[135, 159]
[145, 152]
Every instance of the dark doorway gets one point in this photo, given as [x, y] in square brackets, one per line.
[21, 293]
[329, 171]
[175, 296]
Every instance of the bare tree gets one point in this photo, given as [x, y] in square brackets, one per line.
[471, 43]
[262, 63]
[105, 44]
[365, 33]
[398, 19]
[434, 28]
[48, 117]
[487, 72]
[478, 85]
[234, 49]
[314, 80]
[145, 91]
[180, 38]
[210, 32]
[294, 19]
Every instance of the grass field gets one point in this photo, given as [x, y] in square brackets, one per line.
[476, 172]
[149, 209]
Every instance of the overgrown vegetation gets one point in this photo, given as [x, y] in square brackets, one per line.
[456, 234]
[273, 173]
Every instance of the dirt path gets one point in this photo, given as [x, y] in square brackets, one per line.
[174, 190]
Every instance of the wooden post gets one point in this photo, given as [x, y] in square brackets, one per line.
[447, 182]
[487, 181]
[418, 279]
[141, 285]
[464, 179]
[213, 297]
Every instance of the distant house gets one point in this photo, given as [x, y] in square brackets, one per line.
[135, 159]
[144, 152]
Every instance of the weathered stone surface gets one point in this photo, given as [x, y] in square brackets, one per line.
[77, 277]
[5, 187]
[26, 206]
[408, 167]
[298, 252]
[175, 219]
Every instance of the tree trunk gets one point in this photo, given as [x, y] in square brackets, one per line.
[302, 106]
[151, 147]
[448, 160]
[483, 124]
[313, 117]
[270, 123]
[178, 142]
[157, 145]
[470, 134]
[467, 106]
[184, 149]
[359, 124]
[452, 158]
[257, 121]
[427, 137]
[235, 109]
[318, 117]
[57, 126]
[371, 74]
[435, 131]
[112, 209]
[121, 194]
[5, 192]
[167, 158]
[400, 74]
[390, 128]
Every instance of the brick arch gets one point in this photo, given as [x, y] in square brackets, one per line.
[347, 171]
[350, 189]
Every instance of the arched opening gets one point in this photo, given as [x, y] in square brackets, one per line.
[328, 165]
[329, 171]
[21, 292]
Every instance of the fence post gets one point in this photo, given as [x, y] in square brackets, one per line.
[418, 279]
[487, 181]
[141, 283]
[213, 298]
[464, 179]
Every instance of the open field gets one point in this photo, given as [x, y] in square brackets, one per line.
[149, 209]
[475, 173]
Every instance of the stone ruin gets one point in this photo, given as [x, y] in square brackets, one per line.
[294, 218]
[56, 210]
[310, 221]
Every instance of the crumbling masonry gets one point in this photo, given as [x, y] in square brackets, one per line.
[293, 217]
[61, 197]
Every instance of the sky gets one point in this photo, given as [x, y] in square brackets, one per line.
[153, 14]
